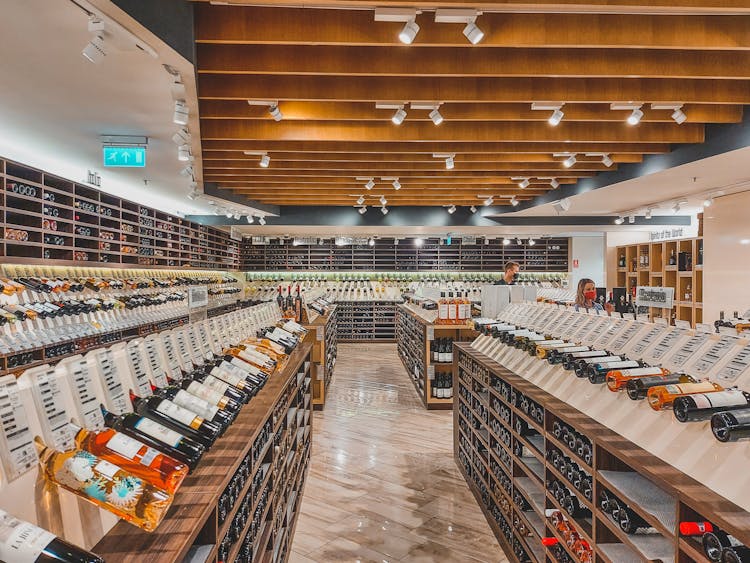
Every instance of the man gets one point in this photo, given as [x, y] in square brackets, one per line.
[511, 273]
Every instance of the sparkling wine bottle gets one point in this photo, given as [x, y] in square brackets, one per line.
[177, 418]
[730, 426]
[23, 542]
[136, 457]
[105, 485]
[157, 436]
[660, 398]
[638, 388]
[715, 542]
[702, 406]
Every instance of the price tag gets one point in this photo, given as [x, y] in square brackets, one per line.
[17, 450]
[735, 367]
[716, 352]
[646, 341]
[706, 328]
[50, 407]
[629, 333]
[666, 344]
[682, 324]
[614, 327]
[154, 361]
[688, 349]
[728, 331]
[320, 332]
[82, 386]
[182, 348]
[137, 366]
[174, 364]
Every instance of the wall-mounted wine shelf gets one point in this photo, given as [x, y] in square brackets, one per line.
[324, 354]
[49, 220]
[373, 321]
[547, 255]
[540, 468]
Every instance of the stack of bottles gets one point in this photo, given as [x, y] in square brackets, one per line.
[717, 544]
[455, 309]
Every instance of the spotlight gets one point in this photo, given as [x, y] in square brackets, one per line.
[449, 163]
[554, 183]
[556, 117]
[635, 117]
[489, 201]
[383, 201]
[96, 25]
[473, 33]
[265, 160]
[619, 221]
[182, 137]
[532, 242]
[178, 89]
[262, 220]
[676, 207]
[250, 219]
[181, 113]
[396, 184]
[94, 50]
[187, 171]
[648, 214]
[506, 241]
[361, 200]
[183, 153]
[371, 242]
[362, 210]
[473, 209]
[436, 117]
[523, 184]
[708, 202]
[631, 219]
[514, 201]
[384, 210]
[607, 160]
[679, 116]
[451, 209]
[370, 184]
[519, 242]
[418, 242]
[228, 214]
[275, 113]
[570, 161]
[192, 195]
[399, 116]
[409, 32]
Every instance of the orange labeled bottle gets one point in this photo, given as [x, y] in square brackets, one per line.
[662, 397]
[134, 456]
[618, 379]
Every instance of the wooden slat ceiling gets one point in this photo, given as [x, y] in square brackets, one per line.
[328, 66]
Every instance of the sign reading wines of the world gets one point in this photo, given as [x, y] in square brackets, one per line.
[659, 297]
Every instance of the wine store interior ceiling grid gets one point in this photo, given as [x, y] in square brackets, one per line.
[500, 100]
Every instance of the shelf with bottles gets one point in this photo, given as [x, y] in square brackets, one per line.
[324, 354]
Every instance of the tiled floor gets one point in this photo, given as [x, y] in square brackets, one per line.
[383, 485]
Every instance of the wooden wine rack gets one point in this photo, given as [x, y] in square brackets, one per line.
[662, 495]
[324, 354]
[139, 235]
[414, 337]
[284, 403]
[369, 321]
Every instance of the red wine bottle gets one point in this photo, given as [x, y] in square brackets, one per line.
[730, 426]
[702, 406]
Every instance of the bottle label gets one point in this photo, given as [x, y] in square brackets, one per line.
[195, 404]
[159, 432]
[21, 542]
[638, 372]
[443, 310]
[216, 384]
[106, 468]
[206, 393]
[230, 378]
[244, 366]
[728, 398]
[602, 359]
[149, 457]
[180, 414]
[618, 364]
[589, 354]
[124, 445]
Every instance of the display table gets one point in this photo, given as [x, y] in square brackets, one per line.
[278, 462]
[324, 353]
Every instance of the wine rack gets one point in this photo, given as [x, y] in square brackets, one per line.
[547, 255]
[324, 353]
[51, 220]
[542, 470]
[416, 338]
[369, 321]
[242, 502]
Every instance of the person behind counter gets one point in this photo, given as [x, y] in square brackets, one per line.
[511, 274]
[586, 296]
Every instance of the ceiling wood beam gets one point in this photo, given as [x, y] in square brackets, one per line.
[447, 177]
[453, 61]
[494, 147]
[470, 89]
[453, 131]
[230, 160]
[365, 111]
[392, 169]
[357, 27]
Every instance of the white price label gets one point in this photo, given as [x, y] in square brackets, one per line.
[688, 349]
[51, 411]
[117, 401]
[16, 442]
[715, 353]
[137, 366]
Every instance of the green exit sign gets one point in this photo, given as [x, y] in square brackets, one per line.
[125, 157]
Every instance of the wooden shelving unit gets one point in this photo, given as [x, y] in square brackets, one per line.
[415, 337]
[273, 438]
[65, 223]
[324, 354]
[547, 255]
[369, 321]
[685, 277]
[507, 471]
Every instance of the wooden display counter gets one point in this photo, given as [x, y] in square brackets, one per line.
[270, 441]
[509, 436]
[324, 353]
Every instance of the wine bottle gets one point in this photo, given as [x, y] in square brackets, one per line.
[133, 456]
[702, 406]
[730, 426]
[242, 382]
[617, 379]
[736, 554]
[660, 398]
[177, 418]
[298, 306]
[581, 367]
[574, 359]
[280, 300]
[157, 436]
[597, 372]
[695, 528]
[541, 349]
[715, 542]
[105, 485]
[194, 404]
[556, 355]
[221, 387]
[630, 522]
[23, 542]
[224, 402]
[638, 388]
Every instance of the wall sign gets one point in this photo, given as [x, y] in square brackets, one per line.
[660, 297]
[197, 297]
[124, 157]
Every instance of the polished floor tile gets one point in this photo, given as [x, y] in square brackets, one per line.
[383, 485]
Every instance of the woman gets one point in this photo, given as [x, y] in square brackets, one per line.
[586, 296]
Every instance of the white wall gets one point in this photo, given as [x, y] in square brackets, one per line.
[590, 253]
[726, 256]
